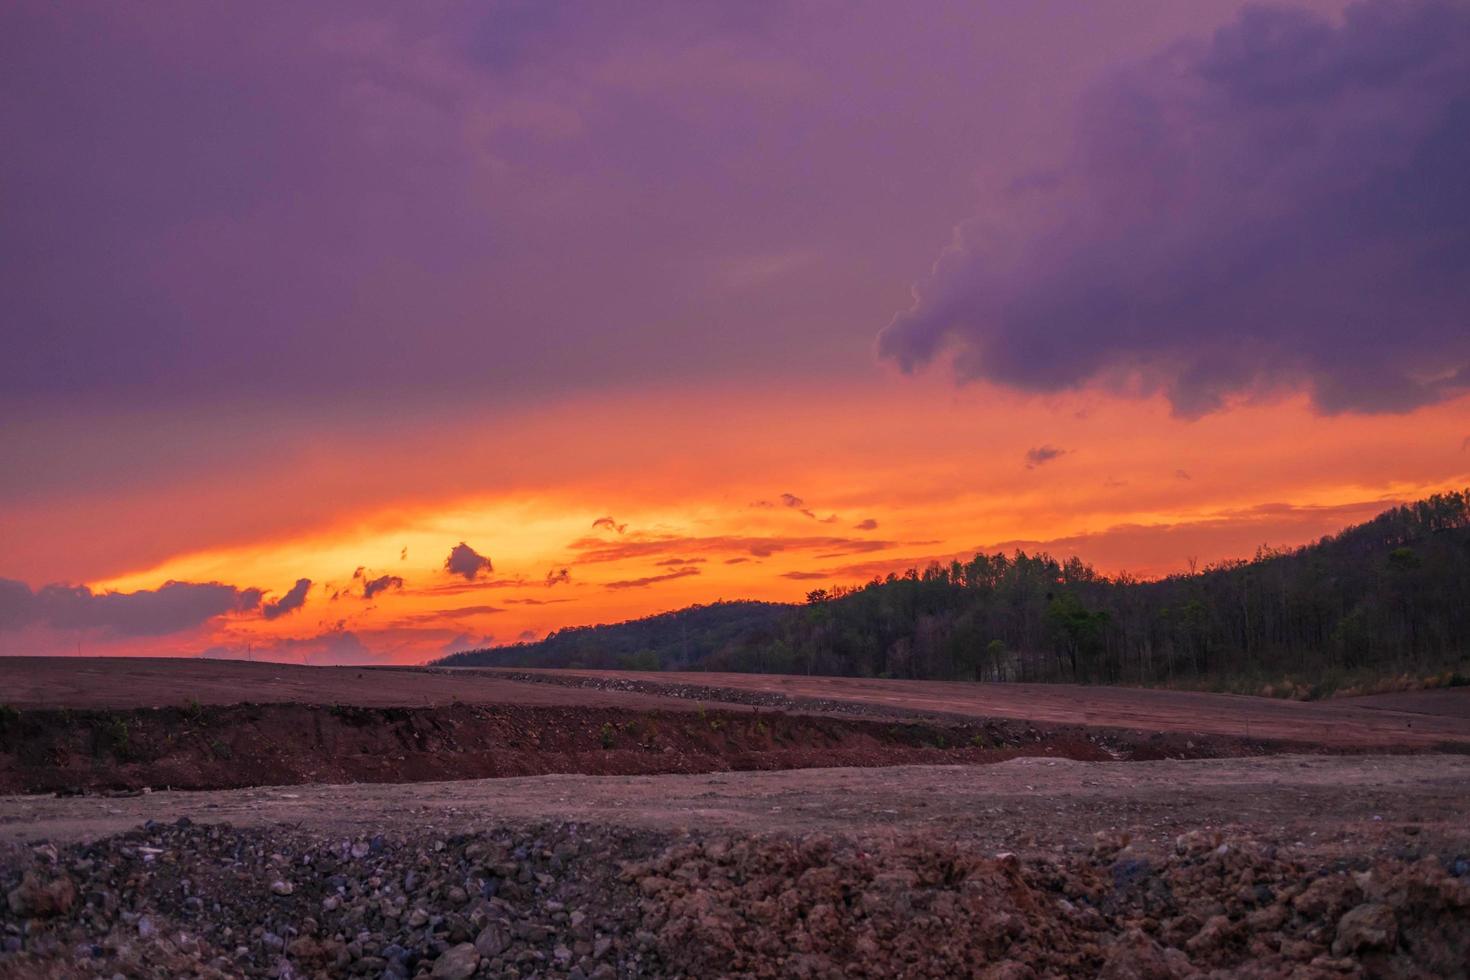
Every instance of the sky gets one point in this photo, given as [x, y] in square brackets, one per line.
[363, 332]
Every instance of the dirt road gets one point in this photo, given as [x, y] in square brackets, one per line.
[1024, 802]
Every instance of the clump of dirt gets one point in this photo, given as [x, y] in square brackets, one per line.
[226, 747]
[823, 907]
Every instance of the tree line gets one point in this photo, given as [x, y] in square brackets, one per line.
[1389, 596]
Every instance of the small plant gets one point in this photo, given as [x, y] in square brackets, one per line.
[112, 737]
[220, 750]
[608, 734]
[977, 740]
[760, 727]
[715, 724]
[940, 742]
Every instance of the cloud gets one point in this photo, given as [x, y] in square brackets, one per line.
[867, 524]
[641, 583]
[291, 601]
[467, 562]
[558, 576]
[171, 608]
[338, 646]
[1280, 206]
[804, 576]
[595, 550]
[440, 615]
[527, 636]
[467, 641]
[1182, 475]
[736, 561]
[610, 524]
[673, 562]
[372, 586]
[1041, 455]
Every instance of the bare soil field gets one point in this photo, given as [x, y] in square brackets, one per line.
[1308, 867]
[717, 825]
[1412, 719]
[143, 682]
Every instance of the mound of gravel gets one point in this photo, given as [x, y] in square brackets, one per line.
[586, 902]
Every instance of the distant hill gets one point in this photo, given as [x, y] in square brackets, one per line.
[679, 640]
[1387, 597]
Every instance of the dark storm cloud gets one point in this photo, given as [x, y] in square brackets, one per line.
[172, 607]
[292, 600]
[1282, 205]
[1041, 455]
[467, 562]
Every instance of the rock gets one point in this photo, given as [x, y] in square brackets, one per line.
[492, 940]
[41, 899]
[146, 928]
[1369, 926]
[282, 887]
[457, 962]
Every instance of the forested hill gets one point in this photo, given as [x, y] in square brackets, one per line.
[1389, 596]
[679, 640]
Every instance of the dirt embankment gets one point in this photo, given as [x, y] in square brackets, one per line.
[230, 746]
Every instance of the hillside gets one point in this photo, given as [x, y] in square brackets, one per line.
[1386, 597]
[682, 639]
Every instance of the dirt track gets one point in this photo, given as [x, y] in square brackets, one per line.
[1028, 802]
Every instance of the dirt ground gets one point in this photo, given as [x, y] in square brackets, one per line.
[1073, 831]
[1410, 719]
[1023, 803]
[156, 682]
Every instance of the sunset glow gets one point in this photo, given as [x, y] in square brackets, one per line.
[652, 314]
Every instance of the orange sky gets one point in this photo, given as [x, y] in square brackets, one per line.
[887, 475]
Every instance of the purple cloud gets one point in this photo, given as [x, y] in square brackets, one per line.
[171, 608]
[292, 600]
[467, 562]
[371, 586]
[1282, 205]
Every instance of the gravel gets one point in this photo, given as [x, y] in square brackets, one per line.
[594, 902]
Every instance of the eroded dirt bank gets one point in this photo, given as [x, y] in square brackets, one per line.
[227, 746]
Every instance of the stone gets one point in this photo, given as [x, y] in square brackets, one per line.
[282, 887]
[457, 962]
[492, 940]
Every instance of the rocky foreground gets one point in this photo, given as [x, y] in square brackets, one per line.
[579, 901]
